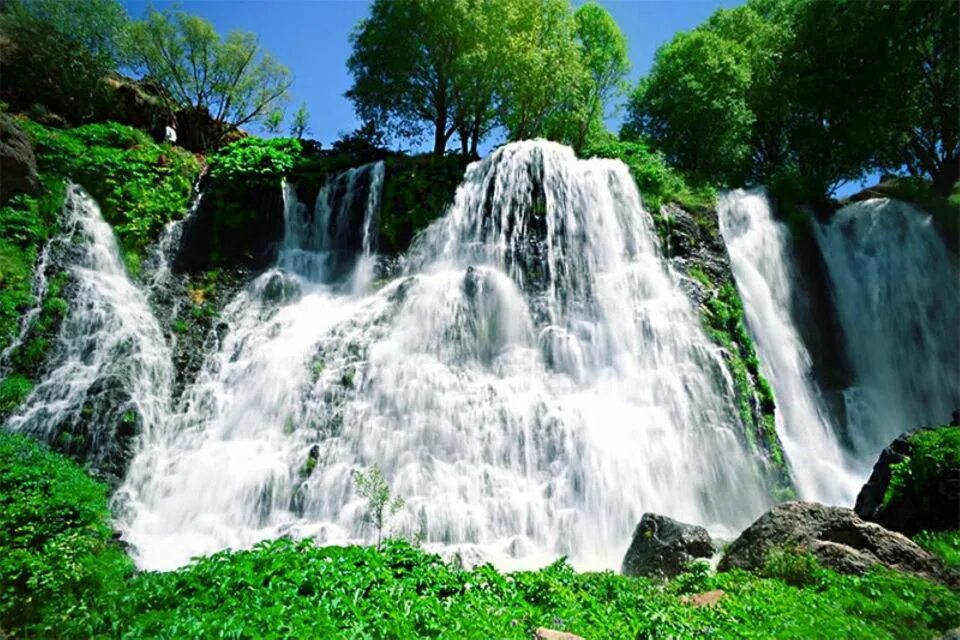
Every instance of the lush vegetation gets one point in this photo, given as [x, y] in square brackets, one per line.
[944, 544]
[935, 452]
[57, 556]
[808, 93]
[140, 185]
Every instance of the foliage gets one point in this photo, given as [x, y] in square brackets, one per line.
[944, 544]
[56, 552]
[693, 106]
[56, 53]
[139, 185]
[300, 125]
[935, 452]
[289, 589]
[232, 79]
[381, 504]
[815, 93]
[255, 160]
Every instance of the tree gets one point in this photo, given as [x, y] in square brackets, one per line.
[57, 53]
[381, 504]
[603, 49]
[232, 81]
[404, 60]
[930, 31]
[540, 65]
[273, 122]
[693, 106]
[300, 126]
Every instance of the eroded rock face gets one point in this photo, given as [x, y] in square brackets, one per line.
[836, 536]
[662, 547]
[930, 502]
[18, 164]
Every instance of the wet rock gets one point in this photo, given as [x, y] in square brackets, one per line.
[836, 536]
[18, 164]
[930, 502]
[662, 547]
[280, 289]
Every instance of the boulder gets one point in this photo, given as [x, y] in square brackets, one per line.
[662, 547]
[836, 536]
[925, 495]
[18, 164]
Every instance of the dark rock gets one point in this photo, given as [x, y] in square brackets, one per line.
[934, 506]
[18, 164]
[837, 537]
[662, 547]
[280, 289]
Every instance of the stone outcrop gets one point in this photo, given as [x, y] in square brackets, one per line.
[662, 547]
[917, 501]
[837, 537]
[18, 164]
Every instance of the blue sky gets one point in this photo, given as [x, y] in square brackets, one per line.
[311, 38]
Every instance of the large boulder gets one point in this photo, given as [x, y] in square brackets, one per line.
[915, 485]
[662, 547]
[836, 536]
[18, 164]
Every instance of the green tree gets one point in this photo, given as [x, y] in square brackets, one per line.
[693, 106]
[273, 122]
[404, 62]
[930, 32]
[56, 53]
[603, 49]
[300, 126]
[381, 503]
[540, 65]
[232, 81]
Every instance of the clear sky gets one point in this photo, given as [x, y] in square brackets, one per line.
[311, 38]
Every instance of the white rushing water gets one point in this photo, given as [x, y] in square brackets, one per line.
[896, 289]
[109, 344]
[762, 262]
[532, 384]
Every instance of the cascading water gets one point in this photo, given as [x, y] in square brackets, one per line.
[896, 289]
[532, 384]
[110, 372]
[762, 264]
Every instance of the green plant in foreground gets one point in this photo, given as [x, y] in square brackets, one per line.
[382, 505]
[56, 548]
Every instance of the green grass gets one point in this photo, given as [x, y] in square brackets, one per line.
[944, 544]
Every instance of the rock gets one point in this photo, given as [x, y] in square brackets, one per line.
[18, 164]
[662, 547]
[836, 536]
[927, 501]
[705, 599]
[549, 634]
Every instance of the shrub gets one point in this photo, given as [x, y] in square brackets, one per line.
[935, 452]
[263, 161]
[945, 544]
[56, 552]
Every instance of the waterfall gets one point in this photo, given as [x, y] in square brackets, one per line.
[111, 371]
[896, 289]
[762, 262]
[532, 384]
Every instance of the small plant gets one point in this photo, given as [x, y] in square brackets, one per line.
[794, 567]
[944, 544]
[381, 503]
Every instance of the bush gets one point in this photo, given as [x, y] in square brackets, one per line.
[259, 161]
[935, 453]
[56, 552]
[139, 185]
